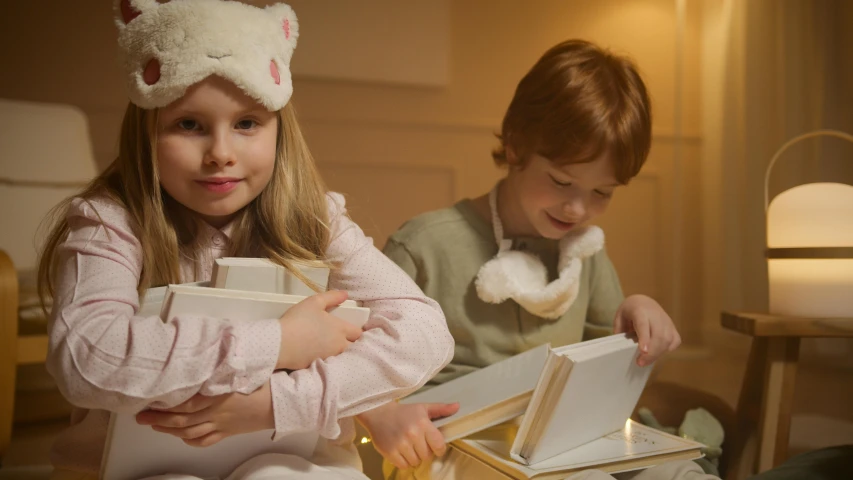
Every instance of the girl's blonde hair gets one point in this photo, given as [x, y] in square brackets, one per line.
[287, 223]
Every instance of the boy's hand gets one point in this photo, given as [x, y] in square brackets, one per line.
[655, 331]
[203, 421]
[404, 433]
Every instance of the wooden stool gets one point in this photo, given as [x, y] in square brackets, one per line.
[767, 394]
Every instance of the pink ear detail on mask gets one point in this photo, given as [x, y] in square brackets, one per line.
[286, 26]
[152, 72]
[274, 72]
[128, 13]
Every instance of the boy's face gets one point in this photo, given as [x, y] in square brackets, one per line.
[554, 199]
[216, 149]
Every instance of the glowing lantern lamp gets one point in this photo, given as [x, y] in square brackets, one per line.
[810, 245]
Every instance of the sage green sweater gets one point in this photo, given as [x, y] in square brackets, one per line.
[443, 251]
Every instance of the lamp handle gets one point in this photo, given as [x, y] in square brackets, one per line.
[816, 133]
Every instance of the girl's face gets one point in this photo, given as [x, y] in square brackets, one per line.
[216, 149]
[551, 199]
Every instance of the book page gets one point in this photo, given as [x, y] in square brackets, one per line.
[486, 387]
[601, 392]
[634, 441]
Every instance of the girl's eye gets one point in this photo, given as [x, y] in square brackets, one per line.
[188, 125]
[559, 183]
[246, 124]
[603, 194]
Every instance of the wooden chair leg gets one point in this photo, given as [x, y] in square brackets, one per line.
[8, 347]
[745, 452]
[777, 403]
[764, 406]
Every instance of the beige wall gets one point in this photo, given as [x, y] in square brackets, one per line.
[774, 70]
[400, 150]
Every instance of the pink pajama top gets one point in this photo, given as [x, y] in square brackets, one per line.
[105, 358]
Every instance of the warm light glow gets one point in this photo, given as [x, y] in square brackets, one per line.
[811, 215]
[365, 440]
[811, 287]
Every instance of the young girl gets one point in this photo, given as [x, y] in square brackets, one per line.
[212, 163]
[518, 267]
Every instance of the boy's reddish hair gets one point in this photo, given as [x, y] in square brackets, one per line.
[579, 102]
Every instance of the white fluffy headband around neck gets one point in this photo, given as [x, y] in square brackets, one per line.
[167, 47]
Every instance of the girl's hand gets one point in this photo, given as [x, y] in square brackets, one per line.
[404, 433]
[309, 331]
[203, 421]
[655, 331]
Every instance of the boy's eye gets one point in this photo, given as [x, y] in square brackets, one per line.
[246, 124]
[603, 194]
[559, 183]
[187, 124]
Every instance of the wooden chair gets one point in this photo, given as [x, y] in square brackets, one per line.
[47, 156]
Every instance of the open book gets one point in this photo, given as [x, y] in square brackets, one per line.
[632, 447]
[569, 396]
[488, 396]
[585, 391]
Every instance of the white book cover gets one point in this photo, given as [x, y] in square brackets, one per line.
[484, 389]
[135, 451]
[152, 302]
[244, 305]
[263, 275]
[592, 392]
[632, 447]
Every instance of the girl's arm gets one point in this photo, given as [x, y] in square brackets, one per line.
[405, 343]
[104, 357]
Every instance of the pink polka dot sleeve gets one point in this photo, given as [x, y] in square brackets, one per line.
[104, 357]
[406, 341]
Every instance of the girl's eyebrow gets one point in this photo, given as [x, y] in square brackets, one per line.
[179, 111]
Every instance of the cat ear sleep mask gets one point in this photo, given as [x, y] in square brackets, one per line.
[167, 47]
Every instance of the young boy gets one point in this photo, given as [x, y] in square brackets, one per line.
[518, 267]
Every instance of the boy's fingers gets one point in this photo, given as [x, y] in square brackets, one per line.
[619, 323]
[646, 359]
[675, 343]
[641, 326]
